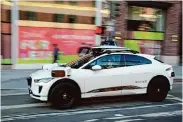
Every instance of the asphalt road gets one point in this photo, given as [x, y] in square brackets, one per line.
[21, 108]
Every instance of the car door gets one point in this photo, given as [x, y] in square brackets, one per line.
[104, 82]
[137, 72]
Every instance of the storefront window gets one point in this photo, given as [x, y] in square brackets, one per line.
[73, 2]
[31, 15]
[58, 17]
[59, 2]
[72, 18]
[145, 19]
[93, 3]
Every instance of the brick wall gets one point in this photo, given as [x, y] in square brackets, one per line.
[172, 27]
[172, 24]
[5, 28]
[85, 3]
[44, 17]
[84, 20]
[5, 34]
[22, 15]
[6, 46]
[5, 15]
[121, 24]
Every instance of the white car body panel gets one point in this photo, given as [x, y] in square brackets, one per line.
[91, 82]
[103, 79]
[138, 76]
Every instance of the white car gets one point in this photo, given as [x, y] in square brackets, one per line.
[112, 72]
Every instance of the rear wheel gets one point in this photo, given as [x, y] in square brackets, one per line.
[158, 90]
[64, 96]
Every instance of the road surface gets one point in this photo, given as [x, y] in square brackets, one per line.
[17, 106]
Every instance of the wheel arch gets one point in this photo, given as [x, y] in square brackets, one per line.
[164, 78]
[65, 80]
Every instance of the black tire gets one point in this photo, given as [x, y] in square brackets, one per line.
[157, 90]
[64, 96]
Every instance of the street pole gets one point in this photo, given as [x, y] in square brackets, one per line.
[98, 20]
[14, 32]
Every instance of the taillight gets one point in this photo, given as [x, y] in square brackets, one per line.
[58, 73]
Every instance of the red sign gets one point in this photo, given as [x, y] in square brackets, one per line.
[35, 42]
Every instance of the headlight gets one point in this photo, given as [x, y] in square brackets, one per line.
[44, 80]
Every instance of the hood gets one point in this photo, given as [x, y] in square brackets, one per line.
[41, 74]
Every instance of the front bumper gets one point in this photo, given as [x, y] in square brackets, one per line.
[38, 97]
[36, 90]
[171, 80]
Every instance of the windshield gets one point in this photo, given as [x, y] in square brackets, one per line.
[80, 61]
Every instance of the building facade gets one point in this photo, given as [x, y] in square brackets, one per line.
[152, 27]
[45, 23]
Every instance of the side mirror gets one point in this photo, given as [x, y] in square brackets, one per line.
[96, 67]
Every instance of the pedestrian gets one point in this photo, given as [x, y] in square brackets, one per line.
[55, 53]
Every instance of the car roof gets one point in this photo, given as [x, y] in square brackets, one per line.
[109, 47]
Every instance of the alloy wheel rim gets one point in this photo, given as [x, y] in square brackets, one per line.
[65, 98]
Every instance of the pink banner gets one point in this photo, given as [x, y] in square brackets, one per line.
[38, 42]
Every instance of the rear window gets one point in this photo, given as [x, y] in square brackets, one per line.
[157, 59]
[132, 60]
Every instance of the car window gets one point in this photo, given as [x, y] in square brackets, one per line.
[107, 62]
[145, 61]
[133, 60]
[122, 61]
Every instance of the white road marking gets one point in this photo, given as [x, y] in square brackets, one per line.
[91, 120]
[174, 97]
[84, 112]
[158, 114]
[118, 115]
[80, 112]
[14, 94]
[23, 106]
[129, 120]
[31, 116]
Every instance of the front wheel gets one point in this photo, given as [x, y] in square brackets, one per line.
[157, 90]
[64, 96]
